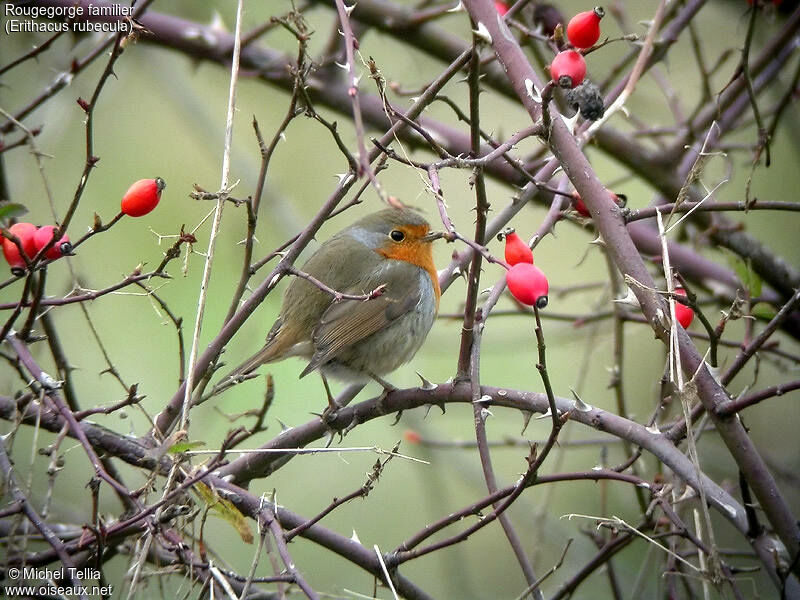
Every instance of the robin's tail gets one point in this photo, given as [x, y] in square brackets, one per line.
[263, 356]
[252, 363]
[278, 346]
[269, 353]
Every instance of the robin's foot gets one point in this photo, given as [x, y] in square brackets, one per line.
[331, 412]
[328, 417]
[387, 389]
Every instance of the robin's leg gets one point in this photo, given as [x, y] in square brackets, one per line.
[333, 406]
[387, 387]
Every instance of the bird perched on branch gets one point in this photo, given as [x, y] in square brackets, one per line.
[355, 339]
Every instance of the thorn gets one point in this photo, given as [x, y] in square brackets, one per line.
[483, 33]
[342, 177]
[432, 404]
[526, 419]
[49, 383]
[426, 385]
[580, 405]
[598, 241]
[688, 494]
[570, 123]
[217, 24]
[397, 418]
[533, 93]
[629, 299]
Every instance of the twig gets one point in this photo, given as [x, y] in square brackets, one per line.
[734, 406]
[37, 522]
[135, 277]
[636, 72]
[386, 577]
[763, 140]
[50, 389]
[471, 331]
[278, 535]
[266, 152]
[337, 295]
[552, 570]
[224, 189]
[685, 207]
[351, 44]
[747, 353]
[33, 53]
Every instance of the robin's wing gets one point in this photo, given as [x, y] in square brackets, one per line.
[347, 322]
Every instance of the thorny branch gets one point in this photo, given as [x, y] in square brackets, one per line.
[673, 159]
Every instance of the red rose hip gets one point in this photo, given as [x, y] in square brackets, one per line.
[568, 69]
[412, 437]
[25, 232]
[580, 206]
[528, 284]
[142, 197]
[683, 313]
[501, 8]
[583, 30]
[60, 248]
[517, 251]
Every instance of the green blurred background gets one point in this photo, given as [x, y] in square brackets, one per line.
[164, 115]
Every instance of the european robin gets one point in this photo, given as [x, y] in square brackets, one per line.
[353, 340]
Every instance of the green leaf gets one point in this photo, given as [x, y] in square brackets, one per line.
[9, 210]
[184, 446]
[765, 311]
[748, 277]
[226, 510]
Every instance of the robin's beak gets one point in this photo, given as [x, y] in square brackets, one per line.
[432, 236]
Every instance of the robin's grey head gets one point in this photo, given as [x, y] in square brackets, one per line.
[391, 226]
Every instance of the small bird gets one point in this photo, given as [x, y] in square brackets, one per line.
[354, 340]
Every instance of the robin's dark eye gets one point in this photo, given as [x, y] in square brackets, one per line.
[397, 235]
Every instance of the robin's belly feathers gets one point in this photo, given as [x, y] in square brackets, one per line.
[387, 349]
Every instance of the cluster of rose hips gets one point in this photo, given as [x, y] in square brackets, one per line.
[529, 285]
[569, 67]
[32, 239]
[140, 199]
[526, 282]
